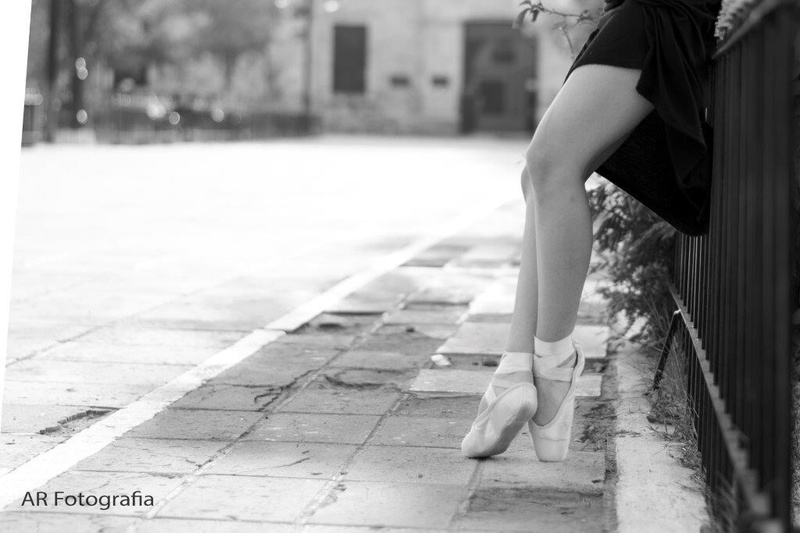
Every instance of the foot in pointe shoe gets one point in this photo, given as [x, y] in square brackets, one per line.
[551, 439]
[506, 406]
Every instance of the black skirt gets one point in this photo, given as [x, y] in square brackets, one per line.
[665, 162]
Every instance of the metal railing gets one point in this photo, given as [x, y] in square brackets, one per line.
[733, 286]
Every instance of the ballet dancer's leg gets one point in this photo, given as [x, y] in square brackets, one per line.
[592, 114]
[595, 110]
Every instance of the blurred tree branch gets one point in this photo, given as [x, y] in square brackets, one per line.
[568, 21]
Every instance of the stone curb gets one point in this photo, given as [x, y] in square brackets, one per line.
[653, 491]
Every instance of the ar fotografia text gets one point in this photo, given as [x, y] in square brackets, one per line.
[104, 502]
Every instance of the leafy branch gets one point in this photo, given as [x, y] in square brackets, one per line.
[533, 10]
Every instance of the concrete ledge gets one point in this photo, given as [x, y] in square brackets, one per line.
[654, 492]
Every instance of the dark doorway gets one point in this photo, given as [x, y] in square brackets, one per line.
[499, 79]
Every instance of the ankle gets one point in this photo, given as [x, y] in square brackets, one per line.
[512, 362]
[559, 349]
[554, 360]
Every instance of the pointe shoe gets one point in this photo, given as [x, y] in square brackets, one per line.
[505, 415]
[551, 441]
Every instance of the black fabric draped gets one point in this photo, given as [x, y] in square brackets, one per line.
[666, 161]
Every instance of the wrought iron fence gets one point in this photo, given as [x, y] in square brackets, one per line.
[733, 287]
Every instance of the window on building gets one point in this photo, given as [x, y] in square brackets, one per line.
[349, 59]
[400, 80]
[440, 81]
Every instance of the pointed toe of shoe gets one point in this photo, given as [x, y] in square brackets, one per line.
[551, 451]
[495, 428]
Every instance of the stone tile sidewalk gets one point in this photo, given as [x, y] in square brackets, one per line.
[348, 424]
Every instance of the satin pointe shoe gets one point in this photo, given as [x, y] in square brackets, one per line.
[551, 441]
[506, 410]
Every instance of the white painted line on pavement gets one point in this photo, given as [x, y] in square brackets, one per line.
[44, 467]
[91, 440]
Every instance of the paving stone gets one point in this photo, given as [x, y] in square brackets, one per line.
[279, 353]
[131, 333]
[128, 353]
[155, 456]
[351, 324]
[438, 406]
[454, 295]
[454, 381]
[86, 305]
[300, 427]
[395, 338]
[185, 525]
[86, 372]
[413, 431]
[196, 425]
[19, 348]
[582, 472]
[412, 465]
[283, 459]
[477, 338]
[271, 375]
[383, 504]
[488, 255]
[426, 314]
[76, 393]
[314, 528]
[490, 319]
[382, 294]
[27, 337]
[473, 362]
[219, 312]
[593, 340]
[264, 285]
[380, 360]
[476, 381]
[222, 396]
[497, 299]
[437, 255]
[521, 508]
[341, 401]
[18, 449]
[309, 337]
[244, 498]
[434, 331]
[21, 418]
[61, 522]
[100, 483]
[365, 378]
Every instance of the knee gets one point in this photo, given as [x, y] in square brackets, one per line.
[548, 169]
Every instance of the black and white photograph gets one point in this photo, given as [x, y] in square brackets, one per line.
[334, 266]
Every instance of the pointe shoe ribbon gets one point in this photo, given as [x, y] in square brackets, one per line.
[505, 414]
[551, 441]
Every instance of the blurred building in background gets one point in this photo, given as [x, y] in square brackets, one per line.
[163, 70]
[432, 66]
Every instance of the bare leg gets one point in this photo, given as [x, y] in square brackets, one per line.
[593, 112]
[526, 300]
